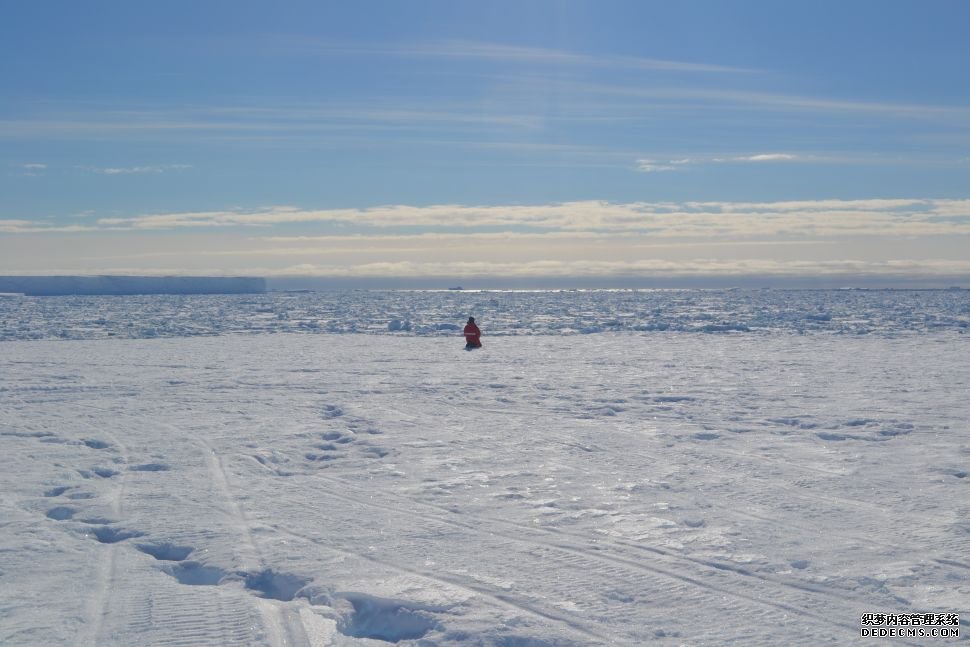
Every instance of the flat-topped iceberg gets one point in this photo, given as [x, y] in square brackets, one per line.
[100, 285]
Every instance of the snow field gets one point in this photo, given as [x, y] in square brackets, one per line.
[363, 489]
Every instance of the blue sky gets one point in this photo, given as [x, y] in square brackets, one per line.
[487, 141]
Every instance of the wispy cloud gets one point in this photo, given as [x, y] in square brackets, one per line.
[637, 97]
[886, 238]
[653, 166]
[490, 51]
[646, 268]
[11, 226]
[698, 220]
[762, 157]
[520, 54]
[446, 272]
[679, 164]
[331, 122]
[32, 169]
[15, 226]
[136, 170]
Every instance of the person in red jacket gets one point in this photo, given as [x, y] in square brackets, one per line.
[473, 336]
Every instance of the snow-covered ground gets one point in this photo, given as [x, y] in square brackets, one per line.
[698, 483]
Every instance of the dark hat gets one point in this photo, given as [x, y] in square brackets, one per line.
[471, 320]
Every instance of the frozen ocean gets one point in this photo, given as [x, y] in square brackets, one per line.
[684, 467]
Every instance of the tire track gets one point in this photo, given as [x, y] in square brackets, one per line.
[575, 558]
[282, 626]
[628, 550]
[634, 549]
[672, 571]
[497, 598]
[98, 607]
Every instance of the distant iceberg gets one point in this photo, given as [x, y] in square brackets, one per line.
[118, 285]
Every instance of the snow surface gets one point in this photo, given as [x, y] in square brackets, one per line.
[743, 484]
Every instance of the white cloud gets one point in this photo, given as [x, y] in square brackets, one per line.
[137, 170]
[14, 226]
[127, 171]
[764, 101]
[544, 269]
[490, 51]
[11, 226]
[606, 269]
[920, 236]
[32, 169]
[689, 220]
[767, 157]
[522, 54]
[725, 241]
[652, 166]
[329, 121]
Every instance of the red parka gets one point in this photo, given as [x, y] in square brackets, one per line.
[473, 336]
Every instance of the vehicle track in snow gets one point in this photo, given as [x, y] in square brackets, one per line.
[756, 588]
[493, 595]
[622, 551]
[606, 560]
[839, 596]
[103, 599]
[761, 587]
[191, 616]
[549, 548]
[870, 517]
[284, 625]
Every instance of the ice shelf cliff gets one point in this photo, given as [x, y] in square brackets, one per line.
[68, 285]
